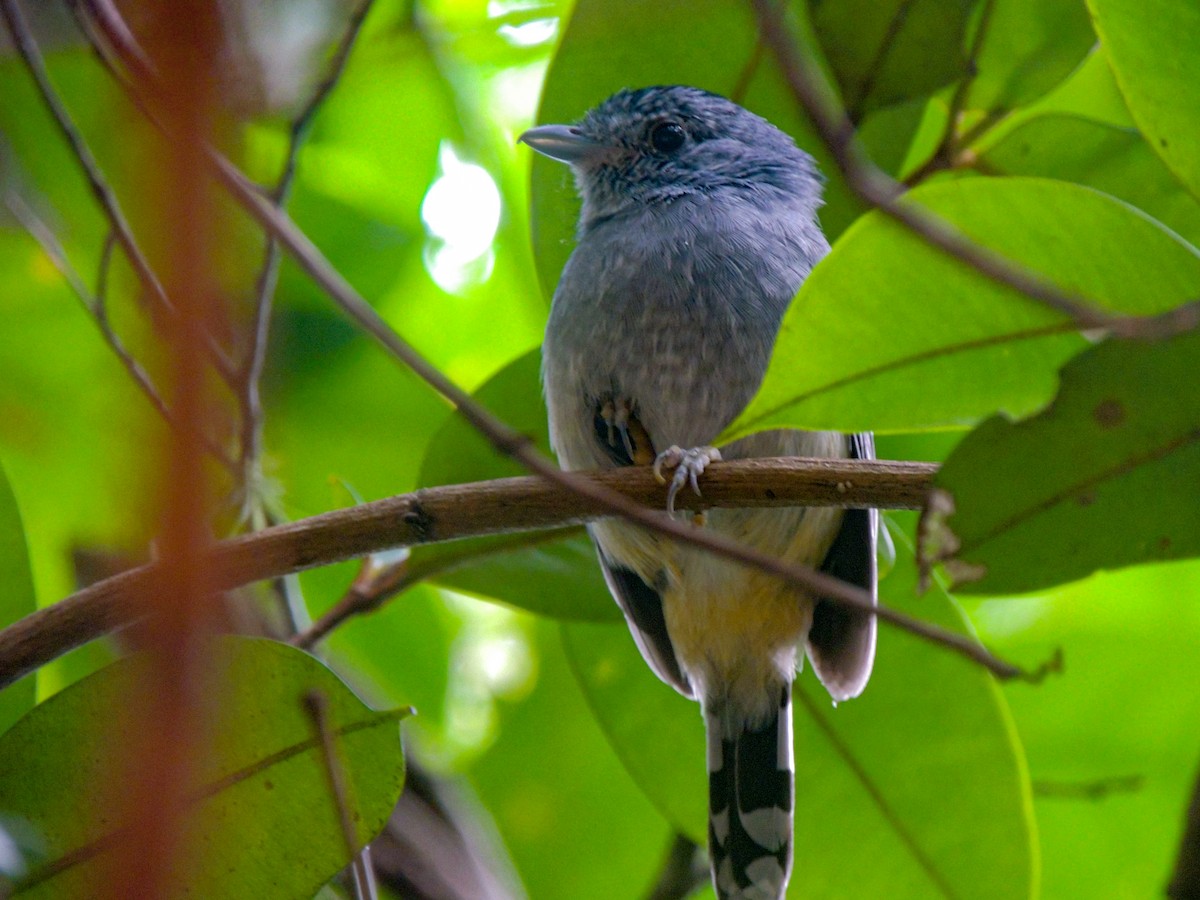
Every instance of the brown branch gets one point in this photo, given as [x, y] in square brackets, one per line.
[681, 871]
[876, 188]
[376, 584]
[508, 505]
[1185, 880]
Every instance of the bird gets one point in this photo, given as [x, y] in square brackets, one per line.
[698, 224]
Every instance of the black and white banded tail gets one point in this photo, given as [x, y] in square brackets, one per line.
[751, 791]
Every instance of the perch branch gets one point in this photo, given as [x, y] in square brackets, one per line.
[508, 505]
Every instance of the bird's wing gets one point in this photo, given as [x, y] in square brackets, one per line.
[841, 643]
[643, 610]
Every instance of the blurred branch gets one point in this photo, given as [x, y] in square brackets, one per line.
[875, 187]
[508, 505]
[94, 305]
[316, 705]
[250, 374]
[31, 56]
[682, 871]
[1088, 790]
[1185, 881]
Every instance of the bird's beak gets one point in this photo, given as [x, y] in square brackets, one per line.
[562, 142]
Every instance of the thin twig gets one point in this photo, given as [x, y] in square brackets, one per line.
[94, 306]
[943, 157]
[31, 56]
[376, 584]
[250, 375]
[316, 704]
[855, 106]
[1185, 880]
[876, 188]
[681, 871]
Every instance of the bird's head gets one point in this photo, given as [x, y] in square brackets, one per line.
[658, 145]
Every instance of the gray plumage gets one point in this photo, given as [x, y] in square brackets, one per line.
[697, 228]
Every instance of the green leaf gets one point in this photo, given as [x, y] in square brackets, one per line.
[888, 334]
[884, 52]
[1114, 160]
[1090, 92]
[1108, 476]
[1030, 46]
[927, 755]
[262, 799]
[1109, 788]
[1152, 47]
[458, 453]
[17, 599]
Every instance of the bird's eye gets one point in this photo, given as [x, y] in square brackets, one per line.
[667, 137]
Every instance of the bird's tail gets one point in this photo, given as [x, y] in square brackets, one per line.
[750, 798]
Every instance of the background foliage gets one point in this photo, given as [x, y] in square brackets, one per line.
[1060, 134]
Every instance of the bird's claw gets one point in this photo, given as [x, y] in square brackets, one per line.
[689, 465]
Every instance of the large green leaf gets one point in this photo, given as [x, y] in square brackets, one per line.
[1111, 159]
[17, 598]
[1029, 46]
[1152, 46]
[1108, 476]
[555, 576]
[884, 52]
[924, 770]
[1110, 788]
[891, 335]
[263, 806]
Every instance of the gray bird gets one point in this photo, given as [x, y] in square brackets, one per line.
[697, 228]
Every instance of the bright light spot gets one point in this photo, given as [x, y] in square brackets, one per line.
[461, 212]
[1010, 616]
[491, 658]
[513, 93]
[530, 34]
[497, 8]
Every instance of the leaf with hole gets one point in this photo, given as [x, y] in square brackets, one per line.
[1107, 476]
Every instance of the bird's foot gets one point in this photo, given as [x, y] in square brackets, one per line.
[689, 465]
[618, 426]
